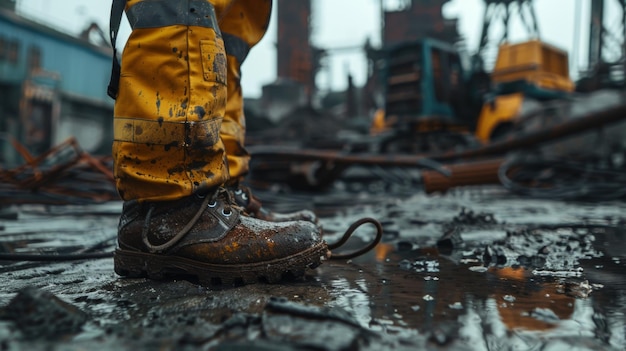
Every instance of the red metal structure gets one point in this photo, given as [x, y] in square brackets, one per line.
[294, 52]
[418, 20]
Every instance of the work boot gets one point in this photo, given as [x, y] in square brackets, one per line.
[253, 207]
[208, 237]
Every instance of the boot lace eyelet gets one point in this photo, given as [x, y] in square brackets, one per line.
[227, 214]
[238, 191]
[212, 204]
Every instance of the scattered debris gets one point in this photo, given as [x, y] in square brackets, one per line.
[450, 240]
[286, 325]
[469, 217]
[38, 314]
[565, 178]
[544, 249]
[65, 174]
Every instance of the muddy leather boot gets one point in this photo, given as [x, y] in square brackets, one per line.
[253, 207]
[208, 238]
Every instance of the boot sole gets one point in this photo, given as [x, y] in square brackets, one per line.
[136, 264]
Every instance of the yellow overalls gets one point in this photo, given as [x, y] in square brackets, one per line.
[178, 120]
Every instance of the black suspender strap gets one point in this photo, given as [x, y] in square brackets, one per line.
[235, 46]
[117, 9]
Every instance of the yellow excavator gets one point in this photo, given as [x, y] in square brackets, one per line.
[524, 74]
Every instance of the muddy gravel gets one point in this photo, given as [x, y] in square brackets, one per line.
[473, 269]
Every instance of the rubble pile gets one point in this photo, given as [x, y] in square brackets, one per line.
[63, 175]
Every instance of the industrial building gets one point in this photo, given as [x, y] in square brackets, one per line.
[52, 86]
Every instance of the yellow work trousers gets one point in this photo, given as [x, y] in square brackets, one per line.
[179, 125]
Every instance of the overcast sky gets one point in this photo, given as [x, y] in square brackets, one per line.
[338, 23]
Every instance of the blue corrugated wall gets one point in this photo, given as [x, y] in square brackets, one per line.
[84, 68]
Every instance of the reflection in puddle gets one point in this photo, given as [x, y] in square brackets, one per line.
[352, 296]
[498, 307]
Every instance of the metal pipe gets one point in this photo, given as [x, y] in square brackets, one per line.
[463, 174]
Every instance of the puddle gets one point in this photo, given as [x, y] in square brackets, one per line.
[554, 284]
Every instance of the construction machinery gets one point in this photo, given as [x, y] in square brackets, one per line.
[525, 74]
[425, 96]
[437, 98]
[433, 102]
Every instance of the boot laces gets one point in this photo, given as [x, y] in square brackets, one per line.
[207, 202]
[229, 202]
[348, 233]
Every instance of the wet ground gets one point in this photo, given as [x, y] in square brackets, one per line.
[474, 269]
